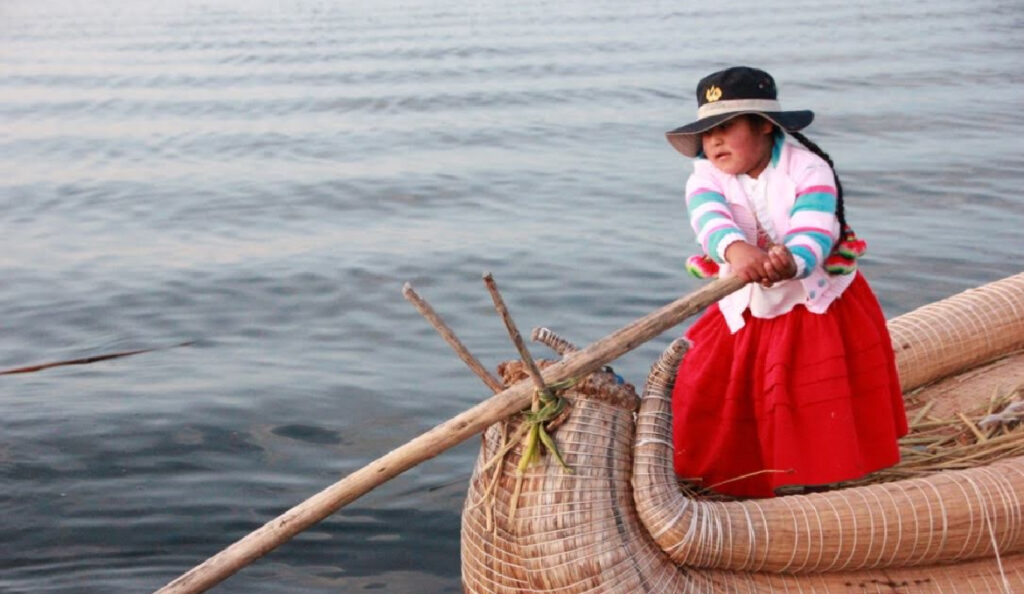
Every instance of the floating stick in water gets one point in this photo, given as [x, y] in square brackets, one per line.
[86, 360]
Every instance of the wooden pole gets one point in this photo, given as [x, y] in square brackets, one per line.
[453, 341]
[517, 339]
[442, 437]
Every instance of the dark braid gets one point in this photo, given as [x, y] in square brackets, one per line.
[840, 211]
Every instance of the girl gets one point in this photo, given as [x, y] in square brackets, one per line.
[792, 379]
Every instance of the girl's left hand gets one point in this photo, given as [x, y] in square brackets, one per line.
[780, 265]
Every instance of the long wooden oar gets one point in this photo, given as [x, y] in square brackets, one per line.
[442, 437]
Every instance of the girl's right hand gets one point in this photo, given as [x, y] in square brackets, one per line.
[746, 261]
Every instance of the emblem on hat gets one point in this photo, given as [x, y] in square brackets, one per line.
[713, 94]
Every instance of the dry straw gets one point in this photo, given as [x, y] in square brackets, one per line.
[960, 440]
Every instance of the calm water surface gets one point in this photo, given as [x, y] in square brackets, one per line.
[261, 178]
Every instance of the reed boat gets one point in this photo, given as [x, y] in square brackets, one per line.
[948, 518]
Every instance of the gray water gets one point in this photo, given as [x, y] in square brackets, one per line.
[260, 178]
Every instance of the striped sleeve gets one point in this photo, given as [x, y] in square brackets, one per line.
[710, 216]
[812, 220]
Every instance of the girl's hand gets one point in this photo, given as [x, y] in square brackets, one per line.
[747, 261]
[779, 265]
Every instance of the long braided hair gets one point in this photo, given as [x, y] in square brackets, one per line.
[814, 148]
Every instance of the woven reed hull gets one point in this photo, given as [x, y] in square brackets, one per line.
[958, 531]
[574, 532]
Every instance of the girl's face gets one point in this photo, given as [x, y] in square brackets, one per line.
[740, 145]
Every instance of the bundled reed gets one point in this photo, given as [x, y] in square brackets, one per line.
[959, 333]
[948, 531]
[552, 530]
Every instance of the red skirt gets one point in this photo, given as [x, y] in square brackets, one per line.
[800, 399]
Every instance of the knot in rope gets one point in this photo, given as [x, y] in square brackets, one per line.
[552, 404]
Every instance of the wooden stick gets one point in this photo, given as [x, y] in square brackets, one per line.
[442, 437]
[517, 339]
[446, 333]
[86, 360]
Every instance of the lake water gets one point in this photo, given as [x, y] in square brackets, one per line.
[260, 178]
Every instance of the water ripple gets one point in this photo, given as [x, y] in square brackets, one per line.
[259, 180]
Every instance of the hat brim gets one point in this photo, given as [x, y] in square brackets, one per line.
[686, 139]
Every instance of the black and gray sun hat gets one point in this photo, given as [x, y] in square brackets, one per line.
[728, 93]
